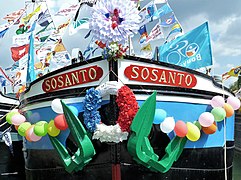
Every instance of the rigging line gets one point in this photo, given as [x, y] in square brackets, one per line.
[3, 124]
[225, 145]
[50, 14]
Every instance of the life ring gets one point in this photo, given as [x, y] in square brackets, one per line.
[126, 103]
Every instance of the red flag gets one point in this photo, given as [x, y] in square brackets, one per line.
[19, 52]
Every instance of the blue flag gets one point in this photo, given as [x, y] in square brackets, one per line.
[192, 50]
[30, 69]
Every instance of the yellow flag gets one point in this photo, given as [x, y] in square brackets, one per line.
[147, 47]
[29, 16]
[176, 26]
[234, 72]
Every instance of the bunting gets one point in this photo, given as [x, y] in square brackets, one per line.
[155, 34]
[143, 33]
[14, 15]
[165, 9]
[27, 18]
[234, 72]
[68, 11]
[19, 52]
[147, 13]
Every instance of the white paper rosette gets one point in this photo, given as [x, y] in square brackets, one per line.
[103, 18]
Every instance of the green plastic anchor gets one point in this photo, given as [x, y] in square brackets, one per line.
[85, 150]
[139, 145]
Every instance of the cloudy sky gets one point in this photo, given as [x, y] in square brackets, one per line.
[224, 23]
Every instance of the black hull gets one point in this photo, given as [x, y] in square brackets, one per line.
[238, 132]
[203, 163]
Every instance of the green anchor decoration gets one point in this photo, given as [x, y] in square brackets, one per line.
[139, 145]
[85, 150]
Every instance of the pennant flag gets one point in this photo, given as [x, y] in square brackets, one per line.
[44, 33]
[143, 34]
[160, 1]
[234, 72]
[77, 25]
[162, 11]
[175, 29]
[44, 18]
[14, 15]
[170, 21]
[156, 33]
[30, 67]
[19, 52]
[21, 39]
[147, 12]
[3, 32]
[59, 47]
[68, 11]
[146, 47]
[27, 18]
[192, 50]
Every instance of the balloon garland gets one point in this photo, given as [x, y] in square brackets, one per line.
[126, 103]
[128, 107]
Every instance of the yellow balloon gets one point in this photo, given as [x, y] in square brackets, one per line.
[193, 132]
[52, 130]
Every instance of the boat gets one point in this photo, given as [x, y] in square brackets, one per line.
[115, 117]
[12, 163]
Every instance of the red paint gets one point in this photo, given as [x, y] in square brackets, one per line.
[160, 76]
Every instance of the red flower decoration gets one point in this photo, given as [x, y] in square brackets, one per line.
[128, 107]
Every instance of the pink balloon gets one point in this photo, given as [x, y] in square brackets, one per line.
[234, 102]
[206, 119]
[180, 129]
[60, 122]
[18, 119]
[217, 101]
[30, 134]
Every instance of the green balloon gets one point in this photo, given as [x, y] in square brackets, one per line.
[41, 128]
[23, 128]
[10, 115]
[218, 113]
[197, 124]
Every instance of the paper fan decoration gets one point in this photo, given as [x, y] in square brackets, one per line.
[114, 20]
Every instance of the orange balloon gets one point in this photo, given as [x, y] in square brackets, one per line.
[27, 133]
[16, 127]
[229, 109]
[211, 129]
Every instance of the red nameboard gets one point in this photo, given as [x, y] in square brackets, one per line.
[73, 78]
[160, 76]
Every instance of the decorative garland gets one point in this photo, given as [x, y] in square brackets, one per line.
[126, 103]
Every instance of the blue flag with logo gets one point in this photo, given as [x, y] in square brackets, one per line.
[192, 50]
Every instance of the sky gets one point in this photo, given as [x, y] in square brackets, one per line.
[224, 20]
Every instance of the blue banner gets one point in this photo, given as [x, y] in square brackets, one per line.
[192, 50]
[30, 68]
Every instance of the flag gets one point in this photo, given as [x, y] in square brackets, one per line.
[147, 12]
[146, 47]
[165, 9]
[2, 33]
[156, 33]
[30, 66]
[44, 33]
[234, 72]
[19, 52]
[143, 34]
[21, 39]
[27, 18]
[68, 11]
[14, 15]
[192, 50]
[44, 18]
[175, 29]
[169, 21]
[160, 1]
[77, 25]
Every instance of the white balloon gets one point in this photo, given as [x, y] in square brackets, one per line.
[57, 106]
[234, 102]
[167, 125]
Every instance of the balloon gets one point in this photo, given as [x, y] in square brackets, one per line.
[206, 119]
[10, 115]
[234, 102]
[40, 128]
[160, 115]
[16, 127]
[57, 106]
[197, 124]
[217, 101]
[180, 129]
[228, 109]
[30, 135]
[23, 128]
[52, 129]
[193, 133]
[167, 125]
[211, 129]
[218, 113]
[74, 110]
[60, 122]
[18, 119]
